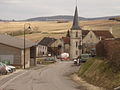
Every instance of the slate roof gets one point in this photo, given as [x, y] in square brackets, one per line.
[46, 41]
[75, 25]
[15, 41]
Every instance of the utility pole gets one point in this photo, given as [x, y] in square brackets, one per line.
[26, 27]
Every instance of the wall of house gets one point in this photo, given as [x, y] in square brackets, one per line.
[62, 49]
[8, 51]
[37, 51]
[27, 58]
[67, 48]
[56, 43]
[90, 38]
[33, 56]
[42, 50]
[89, 42]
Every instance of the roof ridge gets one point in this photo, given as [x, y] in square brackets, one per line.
[15, 41]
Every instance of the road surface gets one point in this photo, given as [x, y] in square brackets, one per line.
[51, 77]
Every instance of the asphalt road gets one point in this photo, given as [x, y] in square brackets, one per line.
[52, 77]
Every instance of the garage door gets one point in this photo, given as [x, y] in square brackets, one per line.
[7, 58]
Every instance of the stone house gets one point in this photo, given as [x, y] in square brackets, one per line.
[91, 38]
[56, 47]
[12, 51]
[43, 46]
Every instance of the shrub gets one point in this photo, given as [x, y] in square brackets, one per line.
[110, 49]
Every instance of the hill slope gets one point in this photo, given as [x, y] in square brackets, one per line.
[66, 17]
[99, 73]
[54, 18]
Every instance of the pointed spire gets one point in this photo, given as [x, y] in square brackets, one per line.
[75, 25]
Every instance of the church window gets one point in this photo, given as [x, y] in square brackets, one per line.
[76, 34]
[76, 44]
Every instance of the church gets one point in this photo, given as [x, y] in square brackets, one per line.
[79, 41]
[75, 37]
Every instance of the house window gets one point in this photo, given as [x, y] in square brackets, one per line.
[76, 52]
[76, 34]
[91, 36]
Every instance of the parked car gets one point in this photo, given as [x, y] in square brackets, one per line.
[3, 70]
[12, 68]
[49, 59]
[8, 68]
[83, 58]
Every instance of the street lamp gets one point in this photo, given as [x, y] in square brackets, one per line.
[27, 26]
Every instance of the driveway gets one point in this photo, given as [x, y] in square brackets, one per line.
[52, 77]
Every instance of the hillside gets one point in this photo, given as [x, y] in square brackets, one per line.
[98, 72]
[55, 29]
[60, 18]
[54, 18]
[66, 18]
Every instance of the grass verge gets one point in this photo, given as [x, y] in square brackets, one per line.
[98, 72]
[44, 62]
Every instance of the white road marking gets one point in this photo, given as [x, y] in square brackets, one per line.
[4, 85]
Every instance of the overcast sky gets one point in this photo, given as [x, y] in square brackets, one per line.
[23, 9]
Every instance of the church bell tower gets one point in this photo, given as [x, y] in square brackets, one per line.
[75, 37]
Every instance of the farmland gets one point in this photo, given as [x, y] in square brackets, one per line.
[55, 29]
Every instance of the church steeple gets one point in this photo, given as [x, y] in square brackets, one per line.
[75, 25]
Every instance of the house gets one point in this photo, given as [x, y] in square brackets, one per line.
[91, 38]
[42, 46]
[66, 45]
[56, 47]
[12, 51]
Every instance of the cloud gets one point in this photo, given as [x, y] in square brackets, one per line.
[10, 1]
[21, 9]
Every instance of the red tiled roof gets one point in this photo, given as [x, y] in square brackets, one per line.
[103, 34]
[66, 40]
